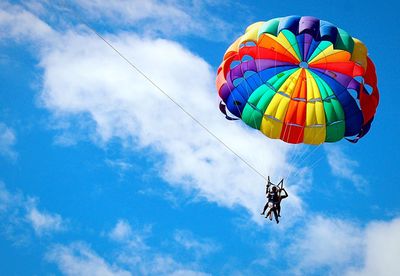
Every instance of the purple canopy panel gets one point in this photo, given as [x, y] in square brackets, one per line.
[343, 79]
[309, 24]
[238, 71]
[249, 65]
[229, 82]
[263, 64]
[224, 92]
[307, 42]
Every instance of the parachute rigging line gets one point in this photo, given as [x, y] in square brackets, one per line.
[137, 69]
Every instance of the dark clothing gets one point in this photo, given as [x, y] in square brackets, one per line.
[273, 197]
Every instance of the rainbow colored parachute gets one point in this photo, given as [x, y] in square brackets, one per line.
[301, 80]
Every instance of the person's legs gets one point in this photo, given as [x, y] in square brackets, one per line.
[265, 208]
[269, 206]
[275, 214]
[269, 214]
[278, 207]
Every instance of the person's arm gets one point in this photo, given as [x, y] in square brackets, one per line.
[267, 187]
[286, 194]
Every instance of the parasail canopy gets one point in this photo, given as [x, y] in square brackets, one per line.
[301, 80]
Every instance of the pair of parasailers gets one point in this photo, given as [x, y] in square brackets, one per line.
[275, 194]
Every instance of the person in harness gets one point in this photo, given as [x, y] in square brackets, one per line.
[274, 198]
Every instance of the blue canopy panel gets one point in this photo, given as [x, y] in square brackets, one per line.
[352, 114]
[238, 97]
[290, 23]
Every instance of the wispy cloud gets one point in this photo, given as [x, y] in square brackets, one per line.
[129, 12]
[139, 257]
[123, 233]
[120, 166]
[153, 18]
[7, 142]
[7, 198]
[128, 258]
[199, 247]
[43, 222]
[29, 27]
[166, 18]
[344, 167]
[78, 259]
[19, 213]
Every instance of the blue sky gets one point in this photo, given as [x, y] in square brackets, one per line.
[101, 175]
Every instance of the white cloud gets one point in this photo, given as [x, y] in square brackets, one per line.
[120, 166]
[142, 259]
[124, 234]
[154, 17]
[199, 247]
[121, 232]
[12, 223]
[338, 247]
[78, 259]
[381, 256]
[18, 211]
[6, 198]
[153, 263]
[42, 221]
[174, 198]
[188, 273]
[326, 243]
[19, 24]
[133, 11]
[344, 167]
[7, 142]
[127, 259]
